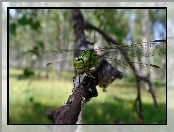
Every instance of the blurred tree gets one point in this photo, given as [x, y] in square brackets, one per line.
[26, 28]
[146, 25]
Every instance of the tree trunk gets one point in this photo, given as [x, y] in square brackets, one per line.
[145, 22]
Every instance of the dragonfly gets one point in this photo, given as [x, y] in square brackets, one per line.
[88, 60]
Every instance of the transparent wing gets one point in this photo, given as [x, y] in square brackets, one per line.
[61, 55]
[53, 61]
[59, 66]
[151, 48]
[155, 71]
[155, 47]
[62, 60]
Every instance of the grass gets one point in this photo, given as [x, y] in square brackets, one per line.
[29, 99]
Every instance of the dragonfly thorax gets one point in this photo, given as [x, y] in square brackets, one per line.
[85, 61]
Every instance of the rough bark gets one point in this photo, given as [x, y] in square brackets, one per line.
[103, 76]
[68, 113]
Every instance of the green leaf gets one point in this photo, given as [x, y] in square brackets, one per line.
[24, 21]
[35, 25]
[40, 44]
[12, 29]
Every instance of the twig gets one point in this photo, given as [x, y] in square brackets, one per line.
[151, 90]
[110, 40]
[137, 76]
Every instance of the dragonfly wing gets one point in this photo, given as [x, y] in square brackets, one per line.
[151, 48]
[59, 66]
[53, 61]
[47, 56]
[121, 66]
[155, 71]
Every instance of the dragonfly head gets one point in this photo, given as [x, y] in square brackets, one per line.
[79, 65]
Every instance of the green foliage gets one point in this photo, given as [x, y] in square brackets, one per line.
[23, 20]
[26, 74]
[12, 28]
[113, 22]
[31, 98]
[40, 44]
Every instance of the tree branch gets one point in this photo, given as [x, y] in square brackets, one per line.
[68, 113]
[110, 40]
[137, 76]
[104, 75]
[80, 42]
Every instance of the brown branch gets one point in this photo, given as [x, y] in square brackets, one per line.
[80, 42]
[68, 113]
[110, 40]
[104, 75]
[137, 76]
[138, 98]
[151, 90]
